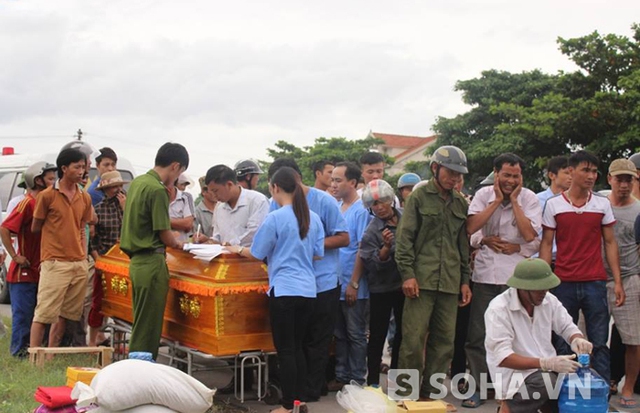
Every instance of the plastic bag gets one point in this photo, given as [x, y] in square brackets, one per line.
[354, 398]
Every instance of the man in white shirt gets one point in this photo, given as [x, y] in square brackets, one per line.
[13, 202]
[239, 211]
[204, 212]
[180, 213]
[521, 357]
[504, 221]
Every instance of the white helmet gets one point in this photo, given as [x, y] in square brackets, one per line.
[377, 190]
[36, 170]
[89, 151]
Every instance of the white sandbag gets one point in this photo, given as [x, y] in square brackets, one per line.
[145, 408]
[131, 383]
[148, 408]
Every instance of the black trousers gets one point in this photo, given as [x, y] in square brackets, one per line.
[380, 307]
[617, 355]
[289, 323]
[459, 362]
[317, 341]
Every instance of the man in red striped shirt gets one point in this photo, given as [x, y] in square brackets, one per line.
[24, 272]
[582, 222]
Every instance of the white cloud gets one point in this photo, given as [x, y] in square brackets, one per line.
[229, 79]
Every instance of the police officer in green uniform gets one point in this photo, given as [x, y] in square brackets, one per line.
[146, 230]
[432, 253]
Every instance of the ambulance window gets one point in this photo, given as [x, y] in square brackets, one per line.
[127, 176]
[7, 183]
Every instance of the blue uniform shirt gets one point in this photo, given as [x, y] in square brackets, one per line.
[289, 258]
[96, 194]
[358, 219]
[327, 208]
[543, 197]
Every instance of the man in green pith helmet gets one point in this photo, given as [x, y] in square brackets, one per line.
[432, 254]
[519, 323]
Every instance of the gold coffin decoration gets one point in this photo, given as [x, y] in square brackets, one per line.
[218, 307]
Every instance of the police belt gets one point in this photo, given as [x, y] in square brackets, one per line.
[159, 250]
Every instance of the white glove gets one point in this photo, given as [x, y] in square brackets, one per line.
[581, 346]
[560, 364]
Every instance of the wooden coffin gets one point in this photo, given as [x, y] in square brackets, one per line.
[218, 307]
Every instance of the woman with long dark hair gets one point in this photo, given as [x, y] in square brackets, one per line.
[289, 238]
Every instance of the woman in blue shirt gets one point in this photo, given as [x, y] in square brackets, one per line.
[289, 238]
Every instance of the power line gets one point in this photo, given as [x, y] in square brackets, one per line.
[34, 136]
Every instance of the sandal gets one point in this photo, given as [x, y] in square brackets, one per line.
[473, 401]
[463, 386]
[628, 402]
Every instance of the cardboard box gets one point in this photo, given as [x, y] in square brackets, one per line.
[436, 406]
[83, 374]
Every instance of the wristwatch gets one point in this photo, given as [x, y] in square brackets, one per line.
[354, 284]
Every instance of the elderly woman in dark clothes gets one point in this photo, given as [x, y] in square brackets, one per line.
[377, 252]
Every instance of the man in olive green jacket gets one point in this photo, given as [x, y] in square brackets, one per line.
[432, 253]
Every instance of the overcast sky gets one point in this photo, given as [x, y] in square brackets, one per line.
[228, 79]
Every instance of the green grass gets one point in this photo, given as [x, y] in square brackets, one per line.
[19, 378]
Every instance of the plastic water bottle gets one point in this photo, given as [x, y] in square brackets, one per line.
[296, 406]
[584, 391]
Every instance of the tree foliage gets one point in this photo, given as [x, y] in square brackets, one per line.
[335, 149]
[538, 115]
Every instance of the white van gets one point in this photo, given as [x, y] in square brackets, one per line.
[12, 165]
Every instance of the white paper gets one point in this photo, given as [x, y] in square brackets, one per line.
[205, 252]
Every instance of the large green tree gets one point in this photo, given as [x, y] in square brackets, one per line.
[335, 149]
[537, 115]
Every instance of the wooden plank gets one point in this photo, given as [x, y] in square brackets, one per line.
[107, 355]
[38, 355]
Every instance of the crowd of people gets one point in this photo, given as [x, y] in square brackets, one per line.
[353, 261]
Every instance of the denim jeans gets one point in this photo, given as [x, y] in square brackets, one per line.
[351, 342]
[591, 298]
[23, 304]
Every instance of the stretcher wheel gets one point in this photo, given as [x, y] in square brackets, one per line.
[274, 394]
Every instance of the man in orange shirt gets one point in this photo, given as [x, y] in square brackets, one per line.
[61, 213]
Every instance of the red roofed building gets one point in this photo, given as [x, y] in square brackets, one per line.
[402, 149]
